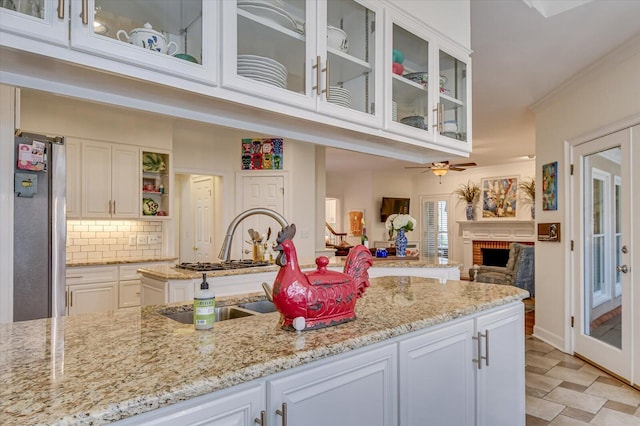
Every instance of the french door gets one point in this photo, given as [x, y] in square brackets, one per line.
[601, 205]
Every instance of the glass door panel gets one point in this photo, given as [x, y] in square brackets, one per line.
[602, 282]
[166, 28]
[602, 307]
[38, 19]
[33, 8]
[351, 55]
[453, 97]
[271, 44]
[410, 80]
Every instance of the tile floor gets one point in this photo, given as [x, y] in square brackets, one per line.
[564, 390]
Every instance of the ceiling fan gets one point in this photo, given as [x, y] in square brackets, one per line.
[441, 168]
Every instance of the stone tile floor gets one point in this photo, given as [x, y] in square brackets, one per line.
[564, 390]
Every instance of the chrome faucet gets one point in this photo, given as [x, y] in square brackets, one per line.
[225, 251]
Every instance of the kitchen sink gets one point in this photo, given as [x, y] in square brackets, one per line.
[223, 313]
[263, 307]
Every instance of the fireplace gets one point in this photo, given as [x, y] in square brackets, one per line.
[495, 256]
[497, 250]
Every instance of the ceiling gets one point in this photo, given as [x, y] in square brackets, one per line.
[519, 56]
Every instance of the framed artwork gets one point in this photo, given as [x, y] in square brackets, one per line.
[355, 222]
[549, 232]
[499, 197]
[550, 186]
[262, 154]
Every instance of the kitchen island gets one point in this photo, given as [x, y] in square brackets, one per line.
[103, 367]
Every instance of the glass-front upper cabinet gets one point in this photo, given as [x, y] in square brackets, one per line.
[38, 19]
[411, 85]
[351, 56]
[265, 47]
[169, 36]
[315, 54]
[452, 112]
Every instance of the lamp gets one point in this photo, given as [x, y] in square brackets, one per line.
[440, 169]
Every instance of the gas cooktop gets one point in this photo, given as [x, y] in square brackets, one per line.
[232, 264]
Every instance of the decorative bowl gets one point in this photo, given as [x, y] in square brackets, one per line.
[186, 57]
[414, 121]
[149, 207]
[421, 77]
[337, 39]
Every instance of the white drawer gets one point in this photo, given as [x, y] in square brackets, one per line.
[91, 274]
[129, 271]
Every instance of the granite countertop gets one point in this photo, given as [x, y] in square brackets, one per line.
[101, 367]
[116, 261]
[169, 272]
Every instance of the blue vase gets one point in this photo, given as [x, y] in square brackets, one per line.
[401, 244]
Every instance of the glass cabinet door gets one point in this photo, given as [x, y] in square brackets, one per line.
[452, 106]
[265, 45]
[40, 19]
[160, 35]
[410, 106]
[353, 60]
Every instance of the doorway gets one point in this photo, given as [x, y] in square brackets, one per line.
[602, 233]
[198, 217]
[435, 227]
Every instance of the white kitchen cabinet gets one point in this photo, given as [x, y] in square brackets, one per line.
[436, 377]
[315, 64]
[91, 289]
[350, 389]
[130, 284]
[239, 406]
[442, 380]
[110, 176]
[160, 292]
[500, 396]
[37, 19]
[74, 178]
[422, 107]
[104, 28]
[353, 390]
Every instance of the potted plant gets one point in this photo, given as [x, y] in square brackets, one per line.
[529, 188]
[468, 192]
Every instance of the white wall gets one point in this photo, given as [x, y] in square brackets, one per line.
[601, 96]
[364, 190]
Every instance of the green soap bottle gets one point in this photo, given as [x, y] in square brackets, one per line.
[204, 306]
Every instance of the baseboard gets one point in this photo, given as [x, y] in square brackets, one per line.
[548, 337]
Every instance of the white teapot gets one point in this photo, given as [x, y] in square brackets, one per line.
[148, 38]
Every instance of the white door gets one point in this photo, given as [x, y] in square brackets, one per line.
[202, 190]
[260, 191]
[125, 185]
[96, 178]
[602, 282]
[86, 298]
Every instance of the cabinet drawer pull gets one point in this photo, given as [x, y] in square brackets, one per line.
[262, 421]
[478, 360]
[109, 206]
[114, 206]
[71, 299]
[75, 276]
[326, 80]
[60, 9]
[318, 75]
[283, 413]
[486, 347]
[85, 12]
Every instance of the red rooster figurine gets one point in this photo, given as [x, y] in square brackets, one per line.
[324, 298]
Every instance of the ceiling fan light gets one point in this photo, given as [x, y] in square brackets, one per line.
[440, 172]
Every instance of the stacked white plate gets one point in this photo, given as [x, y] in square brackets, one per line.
[273, 11]
[394, 110]
[338, 95]
[262, 69]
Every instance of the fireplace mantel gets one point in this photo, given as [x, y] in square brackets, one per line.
[493, 230]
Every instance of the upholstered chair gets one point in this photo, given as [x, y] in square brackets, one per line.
[519, 272]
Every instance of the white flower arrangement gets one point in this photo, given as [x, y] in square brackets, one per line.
[396, 222]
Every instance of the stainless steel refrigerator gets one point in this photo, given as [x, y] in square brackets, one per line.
[39, 227]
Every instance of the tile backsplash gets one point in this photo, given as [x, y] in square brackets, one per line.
[89, 240]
